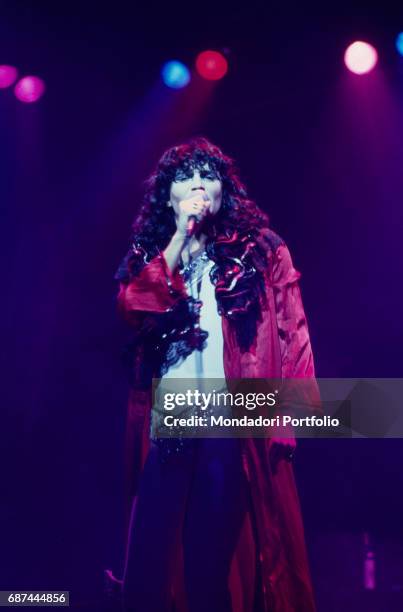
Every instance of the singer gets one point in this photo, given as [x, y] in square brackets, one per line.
[209, 290]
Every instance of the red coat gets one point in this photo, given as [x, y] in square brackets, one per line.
[281, 349]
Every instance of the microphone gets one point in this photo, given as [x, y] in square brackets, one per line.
[191, 224]
[192, 220]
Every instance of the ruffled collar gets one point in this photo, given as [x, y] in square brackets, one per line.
[240, 260]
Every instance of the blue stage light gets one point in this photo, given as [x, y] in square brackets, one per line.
[399, 43]
[175, 75]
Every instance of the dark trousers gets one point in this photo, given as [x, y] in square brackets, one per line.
[199, 498]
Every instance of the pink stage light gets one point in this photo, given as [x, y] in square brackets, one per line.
[8, 76]
[211, 65]
[29, 89]
[360, 57]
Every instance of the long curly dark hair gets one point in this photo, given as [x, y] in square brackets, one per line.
[155, 223]
[238, 238]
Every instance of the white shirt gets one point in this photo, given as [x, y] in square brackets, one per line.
[203, 367]
[209, 362]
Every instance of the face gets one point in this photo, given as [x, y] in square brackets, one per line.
[203, 180]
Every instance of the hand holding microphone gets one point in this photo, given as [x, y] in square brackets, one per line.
[191, 212]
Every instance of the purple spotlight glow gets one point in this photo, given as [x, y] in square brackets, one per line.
[29, 89]
[360, 57]
[8, 76]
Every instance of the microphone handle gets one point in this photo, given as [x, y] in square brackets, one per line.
[192, 219]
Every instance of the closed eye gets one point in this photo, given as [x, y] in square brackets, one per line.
[211, 176]
[182, 176]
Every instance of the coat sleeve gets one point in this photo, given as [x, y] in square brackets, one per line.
[155, 290]
[295, 345]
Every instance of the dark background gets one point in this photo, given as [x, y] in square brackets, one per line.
[320, 149]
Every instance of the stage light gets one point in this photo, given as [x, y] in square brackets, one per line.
[29, 89]
[399, 43]
[211, 65]
[8, 76]
[175, 74]
[360, 57]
